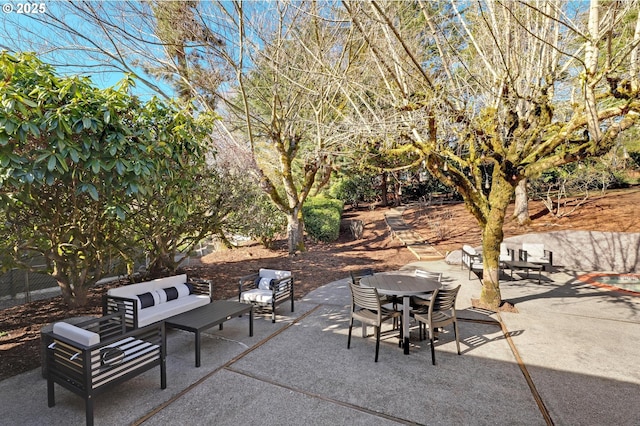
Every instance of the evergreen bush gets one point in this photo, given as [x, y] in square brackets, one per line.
[322, 218]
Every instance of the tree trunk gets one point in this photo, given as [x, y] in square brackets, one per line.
[384, 189]
[74, 296]
[295, 231]
[521, 212]
[492, 236]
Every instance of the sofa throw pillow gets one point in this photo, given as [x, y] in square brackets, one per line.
[171, 293]
[146, 300]
[183, 290]
[265, 283]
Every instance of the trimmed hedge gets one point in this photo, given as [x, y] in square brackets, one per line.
[322, 218]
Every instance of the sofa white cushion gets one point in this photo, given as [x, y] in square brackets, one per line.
[257, 295]
[131, 290]
[76, 334]
[165, 310]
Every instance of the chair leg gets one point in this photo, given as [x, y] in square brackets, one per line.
[377, 341]
[433, 350]
[163, 373]
[51, 396]
[89, 410]
[349, 339]
[455, 333]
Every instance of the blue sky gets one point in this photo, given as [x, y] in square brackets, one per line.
[68, 53]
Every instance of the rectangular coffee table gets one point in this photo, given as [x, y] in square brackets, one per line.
[523, 266]
[204, 317]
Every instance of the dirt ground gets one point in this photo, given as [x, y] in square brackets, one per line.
[447, 227]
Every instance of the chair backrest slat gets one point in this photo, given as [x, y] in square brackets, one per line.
[444, 299]
[365, 297]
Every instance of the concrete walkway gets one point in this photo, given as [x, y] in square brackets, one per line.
[409, 237]
[569, 357]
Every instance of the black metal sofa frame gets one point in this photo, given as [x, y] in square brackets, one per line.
[112, 304]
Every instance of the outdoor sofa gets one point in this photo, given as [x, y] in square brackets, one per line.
[152, 301]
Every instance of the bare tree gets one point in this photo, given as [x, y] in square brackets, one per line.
[270, 71]
[286, 101]
[491, 93]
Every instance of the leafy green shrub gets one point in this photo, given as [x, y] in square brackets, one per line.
[352, 189]
[322, 218]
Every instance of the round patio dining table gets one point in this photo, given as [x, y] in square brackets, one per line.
[401, 284]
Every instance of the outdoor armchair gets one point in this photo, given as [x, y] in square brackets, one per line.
[267, 289]
[95, 355]
[472, 260]
[506, 254]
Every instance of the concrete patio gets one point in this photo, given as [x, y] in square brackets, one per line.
[569, 357]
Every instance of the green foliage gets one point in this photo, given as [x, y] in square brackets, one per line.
[260, 218]
[577, 178]
[322, 218]
[250, 211]
[354, 188]
[74, 163]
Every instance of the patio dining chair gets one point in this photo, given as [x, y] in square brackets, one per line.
[357, 275]
[422, 303]
[366, 307]
[441, 312]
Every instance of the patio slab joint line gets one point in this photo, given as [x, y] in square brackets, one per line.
[523, 368]
[324, 398]
[186, 390]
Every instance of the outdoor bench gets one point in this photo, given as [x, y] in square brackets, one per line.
[152, 301]
[472, 260]
[92, 356]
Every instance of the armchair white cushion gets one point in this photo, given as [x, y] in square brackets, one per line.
[267, 288]
[76, 334]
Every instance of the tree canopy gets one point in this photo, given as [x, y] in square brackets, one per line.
[74, 159]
